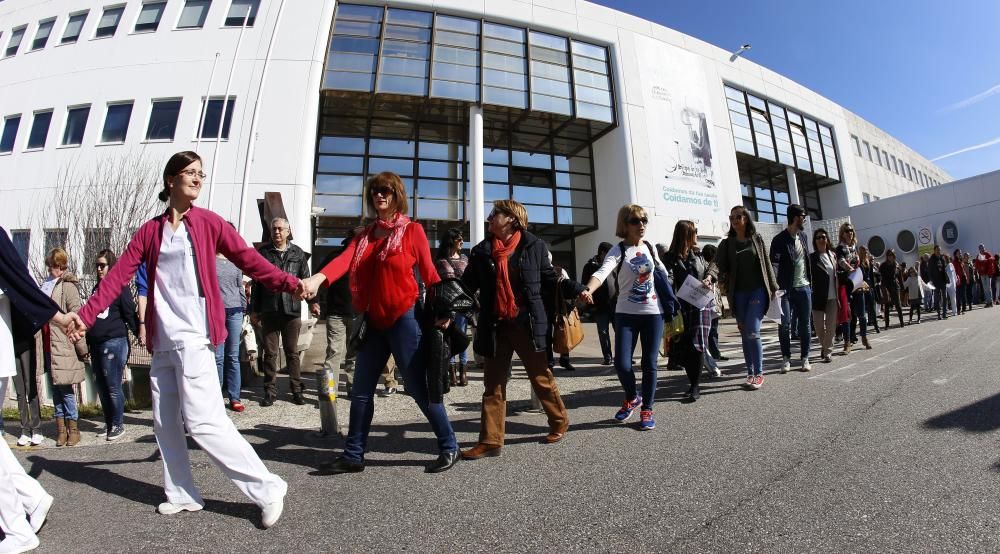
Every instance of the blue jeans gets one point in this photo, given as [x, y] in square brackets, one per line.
[402, 340]
[649, 329]
[859, 316]
[798, 300]
[227, 355]
[749, 309]
[460, 323]
[108, 359]
[603, 320]
[64, 400]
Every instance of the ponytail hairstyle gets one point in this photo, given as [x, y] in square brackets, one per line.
[175, 165]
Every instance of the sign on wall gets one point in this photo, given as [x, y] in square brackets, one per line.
[676, 101]
[925, 241]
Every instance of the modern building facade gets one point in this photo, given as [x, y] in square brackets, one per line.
[567, 106]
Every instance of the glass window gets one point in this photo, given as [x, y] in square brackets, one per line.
[149, 17]
[503, 46]
[21, 239]
[348, 206]
[39, 130]
[341, 164]
[436, 188]
[456, 39]
[407, 33]
[56, 238]
[878, 155]
[116, 122]
[590, 50]
[342, 145]
[243, 13]
[193, 14]
[339, 184]
[868, 150]
[348, 81]
[213, 114]
[459, 24]
[108, 24]
[15, 41]
[505, 32]
[409, 17]
[76, 124]
[403, 168]
[10, 125]
[73, 27]
[547, 41]
[357, 12]
[454, 72]
[163, 120]
[42, 34]
[386, 147]
[416, 86]
[458, 91]
[404, 66]
[857, 144]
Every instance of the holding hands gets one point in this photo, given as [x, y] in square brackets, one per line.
[71, 324]
[586, 297]
[309, 286]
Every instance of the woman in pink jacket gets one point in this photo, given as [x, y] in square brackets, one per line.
[185, 322]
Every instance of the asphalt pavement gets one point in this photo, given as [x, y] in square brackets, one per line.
[889, 449]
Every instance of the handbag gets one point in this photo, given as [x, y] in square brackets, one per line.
[567, 330]
[359, 330]
[674, 327]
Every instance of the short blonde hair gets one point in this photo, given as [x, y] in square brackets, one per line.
[514, 209]
[626, 213]
[393, 181]
[57, 258]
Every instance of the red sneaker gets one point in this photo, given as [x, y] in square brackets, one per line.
[236, 406]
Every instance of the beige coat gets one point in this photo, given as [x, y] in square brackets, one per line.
[67, 363]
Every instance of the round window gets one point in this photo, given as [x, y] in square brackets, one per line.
[949, 233]
[876, 245]
[906, 241]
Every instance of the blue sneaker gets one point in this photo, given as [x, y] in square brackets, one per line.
[646, 421]
[627, 408]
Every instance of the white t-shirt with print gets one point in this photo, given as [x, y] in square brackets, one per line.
[636, 292]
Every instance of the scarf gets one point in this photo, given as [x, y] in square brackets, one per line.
[394, 244]
[506, 303]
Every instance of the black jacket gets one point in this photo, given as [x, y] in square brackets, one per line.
[294, 261]
[30, 308]
[530, 261]
[783, 257]
[338, 294]
[821, 280]
[120, 313]
[889, 275]
[937, 271]
[602, 298]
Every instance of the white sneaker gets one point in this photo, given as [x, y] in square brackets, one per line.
[37, 516]
[271, 512]
[23, 440]
[169, 508]
[806, 366]
[786, 364]
[37, 439]
[11, 545]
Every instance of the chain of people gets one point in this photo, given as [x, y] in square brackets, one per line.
[389, 297]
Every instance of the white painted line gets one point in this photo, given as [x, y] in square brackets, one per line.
[832, 371]
[883, 366]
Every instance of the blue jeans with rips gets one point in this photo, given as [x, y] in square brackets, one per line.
[749, 308]
[402, 340]
[649, 329]
[108, 358]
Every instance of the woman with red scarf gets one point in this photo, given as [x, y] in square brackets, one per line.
[381, 259]
[511, 271]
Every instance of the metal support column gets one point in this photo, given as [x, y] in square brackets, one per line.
[793, 186]
[476, 214]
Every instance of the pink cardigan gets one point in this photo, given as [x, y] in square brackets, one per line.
[209, 234]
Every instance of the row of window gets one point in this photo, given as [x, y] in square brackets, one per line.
[161, 124]
[193, 15]
[94, 240]
[891, 163]
[392, 50]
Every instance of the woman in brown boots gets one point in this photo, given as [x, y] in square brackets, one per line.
[511, 271]
[451, 263]
[58, 354]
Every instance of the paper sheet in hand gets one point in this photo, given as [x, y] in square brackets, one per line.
[774, 311]
[856, 278]
[694, 292]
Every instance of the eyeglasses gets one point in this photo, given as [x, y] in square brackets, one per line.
[495, 212]
[382, 191]
[638, 220]
[100, 266]
[822, 237]
[735, 217]
[283, 229]
[848, 230]
[193, 173]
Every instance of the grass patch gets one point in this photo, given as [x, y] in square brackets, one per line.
[87, 411]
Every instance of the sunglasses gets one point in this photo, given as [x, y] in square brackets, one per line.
[638, 220]
[100, 266]
[382, 191]
[495, 212]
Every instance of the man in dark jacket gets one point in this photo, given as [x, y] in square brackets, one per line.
[939, 278]
[790, 259]
[601, 309]
[339, 313]
[279, 313]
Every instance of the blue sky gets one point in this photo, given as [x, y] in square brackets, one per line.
[925, 71]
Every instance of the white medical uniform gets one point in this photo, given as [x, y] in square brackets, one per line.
[185, 386]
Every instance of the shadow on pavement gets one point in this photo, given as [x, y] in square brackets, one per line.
[979, 417]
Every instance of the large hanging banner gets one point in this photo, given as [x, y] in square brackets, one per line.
[676, 101]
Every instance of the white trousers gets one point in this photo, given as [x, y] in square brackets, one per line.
[19, 492]
[185, 385]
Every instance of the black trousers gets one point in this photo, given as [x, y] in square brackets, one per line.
[892, 299]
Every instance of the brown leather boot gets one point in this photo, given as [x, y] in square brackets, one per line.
[864, 341]
[481, 451]
[452, 377]
[463, 376]
[60, 431]
[73, 433]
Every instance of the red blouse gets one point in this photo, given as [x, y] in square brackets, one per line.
[387, 289]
